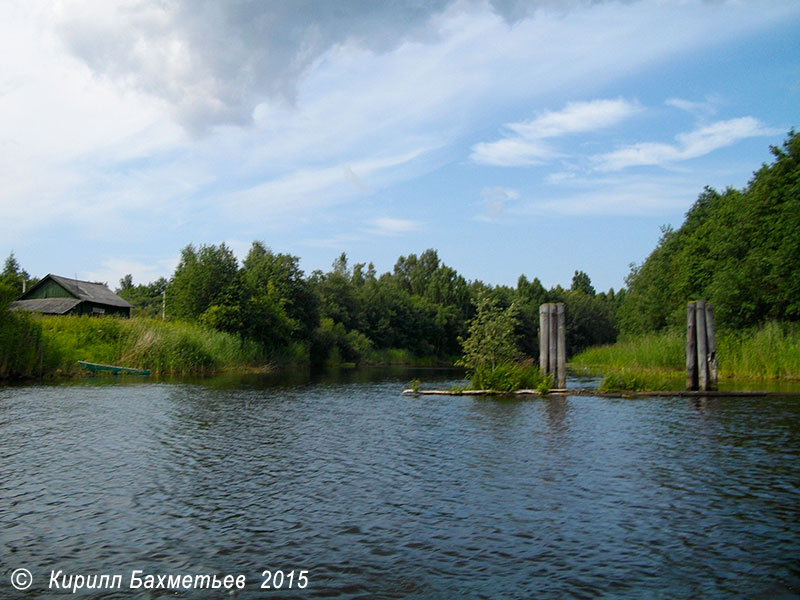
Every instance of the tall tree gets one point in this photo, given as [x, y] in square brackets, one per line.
[14, 275]
[206, 281]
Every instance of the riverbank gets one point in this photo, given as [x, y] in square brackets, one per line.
[770, 352]
[48, 347]
[53, 345]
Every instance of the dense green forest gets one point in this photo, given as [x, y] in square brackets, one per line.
[350, 313]
[739, 249]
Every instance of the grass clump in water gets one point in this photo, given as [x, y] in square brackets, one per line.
[622, 380]
[508, 377]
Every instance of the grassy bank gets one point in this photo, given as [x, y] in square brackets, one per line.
[53, 345]
[657, 361]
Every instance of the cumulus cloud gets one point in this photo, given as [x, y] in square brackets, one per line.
[699, 142]
[523, 144]
[215, 62]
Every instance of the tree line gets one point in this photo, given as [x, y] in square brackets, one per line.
[738, 249]
[422, 306]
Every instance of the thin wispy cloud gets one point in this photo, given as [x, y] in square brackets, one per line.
[388, 226]
[312, 189]
[523, 144]
[613, 196]
[703, 109]
[693, 144]
[495, 200]
[576, 117]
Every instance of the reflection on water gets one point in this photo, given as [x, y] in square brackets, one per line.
[379, 495]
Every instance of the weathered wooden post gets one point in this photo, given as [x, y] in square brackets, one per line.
[552, 342]
[702, 350]
[551, 353]
[691, 348]
[544, 337]
[562, 345]
[701, 347]
[711, 342]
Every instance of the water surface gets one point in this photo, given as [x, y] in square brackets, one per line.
[378, 495]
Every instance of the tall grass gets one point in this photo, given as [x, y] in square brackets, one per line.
[770, 351]
[509, 377]
[163, 347]
[655, 351]
[21, 345]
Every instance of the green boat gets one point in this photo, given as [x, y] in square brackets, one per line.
[97, 368]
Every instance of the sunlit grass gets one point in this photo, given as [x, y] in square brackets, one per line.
[771, 351]
[768, 352]
[163, 347]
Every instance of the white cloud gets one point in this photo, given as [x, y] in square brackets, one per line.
[523, 146]
[694, 144]
[390, 226]
[512, 152]
[114, 269]
[304, 190]
[700, 109]
[620, 196]
[576, 117]
[495, 200]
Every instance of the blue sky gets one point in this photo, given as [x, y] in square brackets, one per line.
[515, 137]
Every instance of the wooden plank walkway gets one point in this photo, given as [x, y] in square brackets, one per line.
[595, 393]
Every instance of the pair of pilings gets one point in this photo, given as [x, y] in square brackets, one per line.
[552, 342]
[701, 347]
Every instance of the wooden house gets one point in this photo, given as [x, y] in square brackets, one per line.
[56, 295]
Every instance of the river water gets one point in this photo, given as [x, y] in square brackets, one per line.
[365, 493]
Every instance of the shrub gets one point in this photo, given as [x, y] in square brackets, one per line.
[507, 377]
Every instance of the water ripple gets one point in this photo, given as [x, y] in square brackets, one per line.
[383, 496]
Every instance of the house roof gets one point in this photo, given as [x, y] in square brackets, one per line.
[49, 306]
[83, 291]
